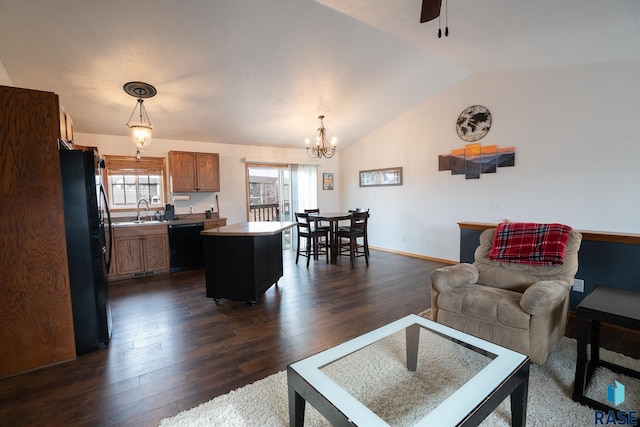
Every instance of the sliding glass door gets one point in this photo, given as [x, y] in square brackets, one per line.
[268, 193]
[276, 191]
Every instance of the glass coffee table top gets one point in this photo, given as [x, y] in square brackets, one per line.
[451, 377]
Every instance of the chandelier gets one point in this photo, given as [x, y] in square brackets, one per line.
[139, 122]
[322, 146]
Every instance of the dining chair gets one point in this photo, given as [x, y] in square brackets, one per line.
[317, 223]
[356, 229]
[366, 231]
[315, 246]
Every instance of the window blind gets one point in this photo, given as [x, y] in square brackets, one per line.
[124, 165]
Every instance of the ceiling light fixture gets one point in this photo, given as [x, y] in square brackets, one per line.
[322, 146]
[139, 122]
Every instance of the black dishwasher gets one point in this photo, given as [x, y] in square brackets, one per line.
[186, 247]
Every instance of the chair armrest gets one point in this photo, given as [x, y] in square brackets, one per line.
[544, 296]
[446, 278]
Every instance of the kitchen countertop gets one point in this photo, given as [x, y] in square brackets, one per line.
[182, 219]
[266, 228]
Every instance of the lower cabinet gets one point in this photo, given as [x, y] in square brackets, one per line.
[139, 251]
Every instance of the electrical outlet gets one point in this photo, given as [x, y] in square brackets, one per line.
[578, 285]
[497, 206]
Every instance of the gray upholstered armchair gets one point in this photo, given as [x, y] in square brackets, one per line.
[518, 306]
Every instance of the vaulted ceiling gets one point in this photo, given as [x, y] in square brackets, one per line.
[260, 72]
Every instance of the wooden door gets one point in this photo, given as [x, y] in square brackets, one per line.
[208, 172]
[183, 171]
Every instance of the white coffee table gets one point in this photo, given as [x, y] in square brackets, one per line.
[507, 374]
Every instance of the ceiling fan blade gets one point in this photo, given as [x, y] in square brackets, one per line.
[430, 10]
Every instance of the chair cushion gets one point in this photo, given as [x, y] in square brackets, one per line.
[487, 304]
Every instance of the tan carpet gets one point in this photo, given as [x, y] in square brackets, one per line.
[378, 377]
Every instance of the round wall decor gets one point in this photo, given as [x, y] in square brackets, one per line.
[473, 123]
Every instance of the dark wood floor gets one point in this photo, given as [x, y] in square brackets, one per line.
[172, 348]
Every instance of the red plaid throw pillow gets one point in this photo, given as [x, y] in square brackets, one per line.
[530, 243]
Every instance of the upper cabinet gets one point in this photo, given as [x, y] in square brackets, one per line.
[194, 171]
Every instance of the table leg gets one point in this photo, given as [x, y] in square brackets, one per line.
[333, 231]
[296, 408]
[413, 337]
[594, 359]
[519, 403]
[581, 360]
[595, 341]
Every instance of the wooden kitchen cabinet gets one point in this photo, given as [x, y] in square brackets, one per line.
[139, 251]
[207, 172]
[35, 296]
[127, 255]
[191, 171]
[155, 250]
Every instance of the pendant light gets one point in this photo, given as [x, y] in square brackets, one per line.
[139, 121]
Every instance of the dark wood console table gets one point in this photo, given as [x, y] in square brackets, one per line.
[613, 306]
[243, 260]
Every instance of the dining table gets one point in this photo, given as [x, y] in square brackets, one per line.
[333, 218]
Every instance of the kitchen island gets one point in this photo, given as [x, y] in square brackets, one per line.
[243, 260]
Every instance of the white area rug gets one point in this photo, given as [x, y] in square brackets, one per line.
[377, 375]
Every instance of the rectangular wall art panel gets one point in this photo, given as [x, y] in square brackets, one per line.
[475, 159]
[378, 177]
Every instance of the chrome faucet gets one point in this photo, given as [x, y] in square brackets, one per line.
[146, 203]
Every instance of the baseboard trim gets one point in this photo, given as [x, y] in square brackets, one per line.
[428, 258]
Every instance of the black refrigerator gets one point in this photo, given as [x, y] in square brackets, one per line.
[87, 225]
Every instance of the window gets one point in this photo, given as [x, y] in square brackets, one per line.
[128, 180]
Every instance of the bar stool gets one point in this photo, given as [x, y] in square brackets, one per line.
[316, 224]
[356, 230]
[314, 245]
[366, 231]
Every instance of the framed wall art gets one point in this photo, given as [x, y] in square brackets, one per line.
[474, 160]
[380, 177]
[327, 181]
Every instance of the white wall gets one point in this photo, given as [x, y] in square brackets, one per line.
[232, 195]
[5, 80]
[575, 130]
